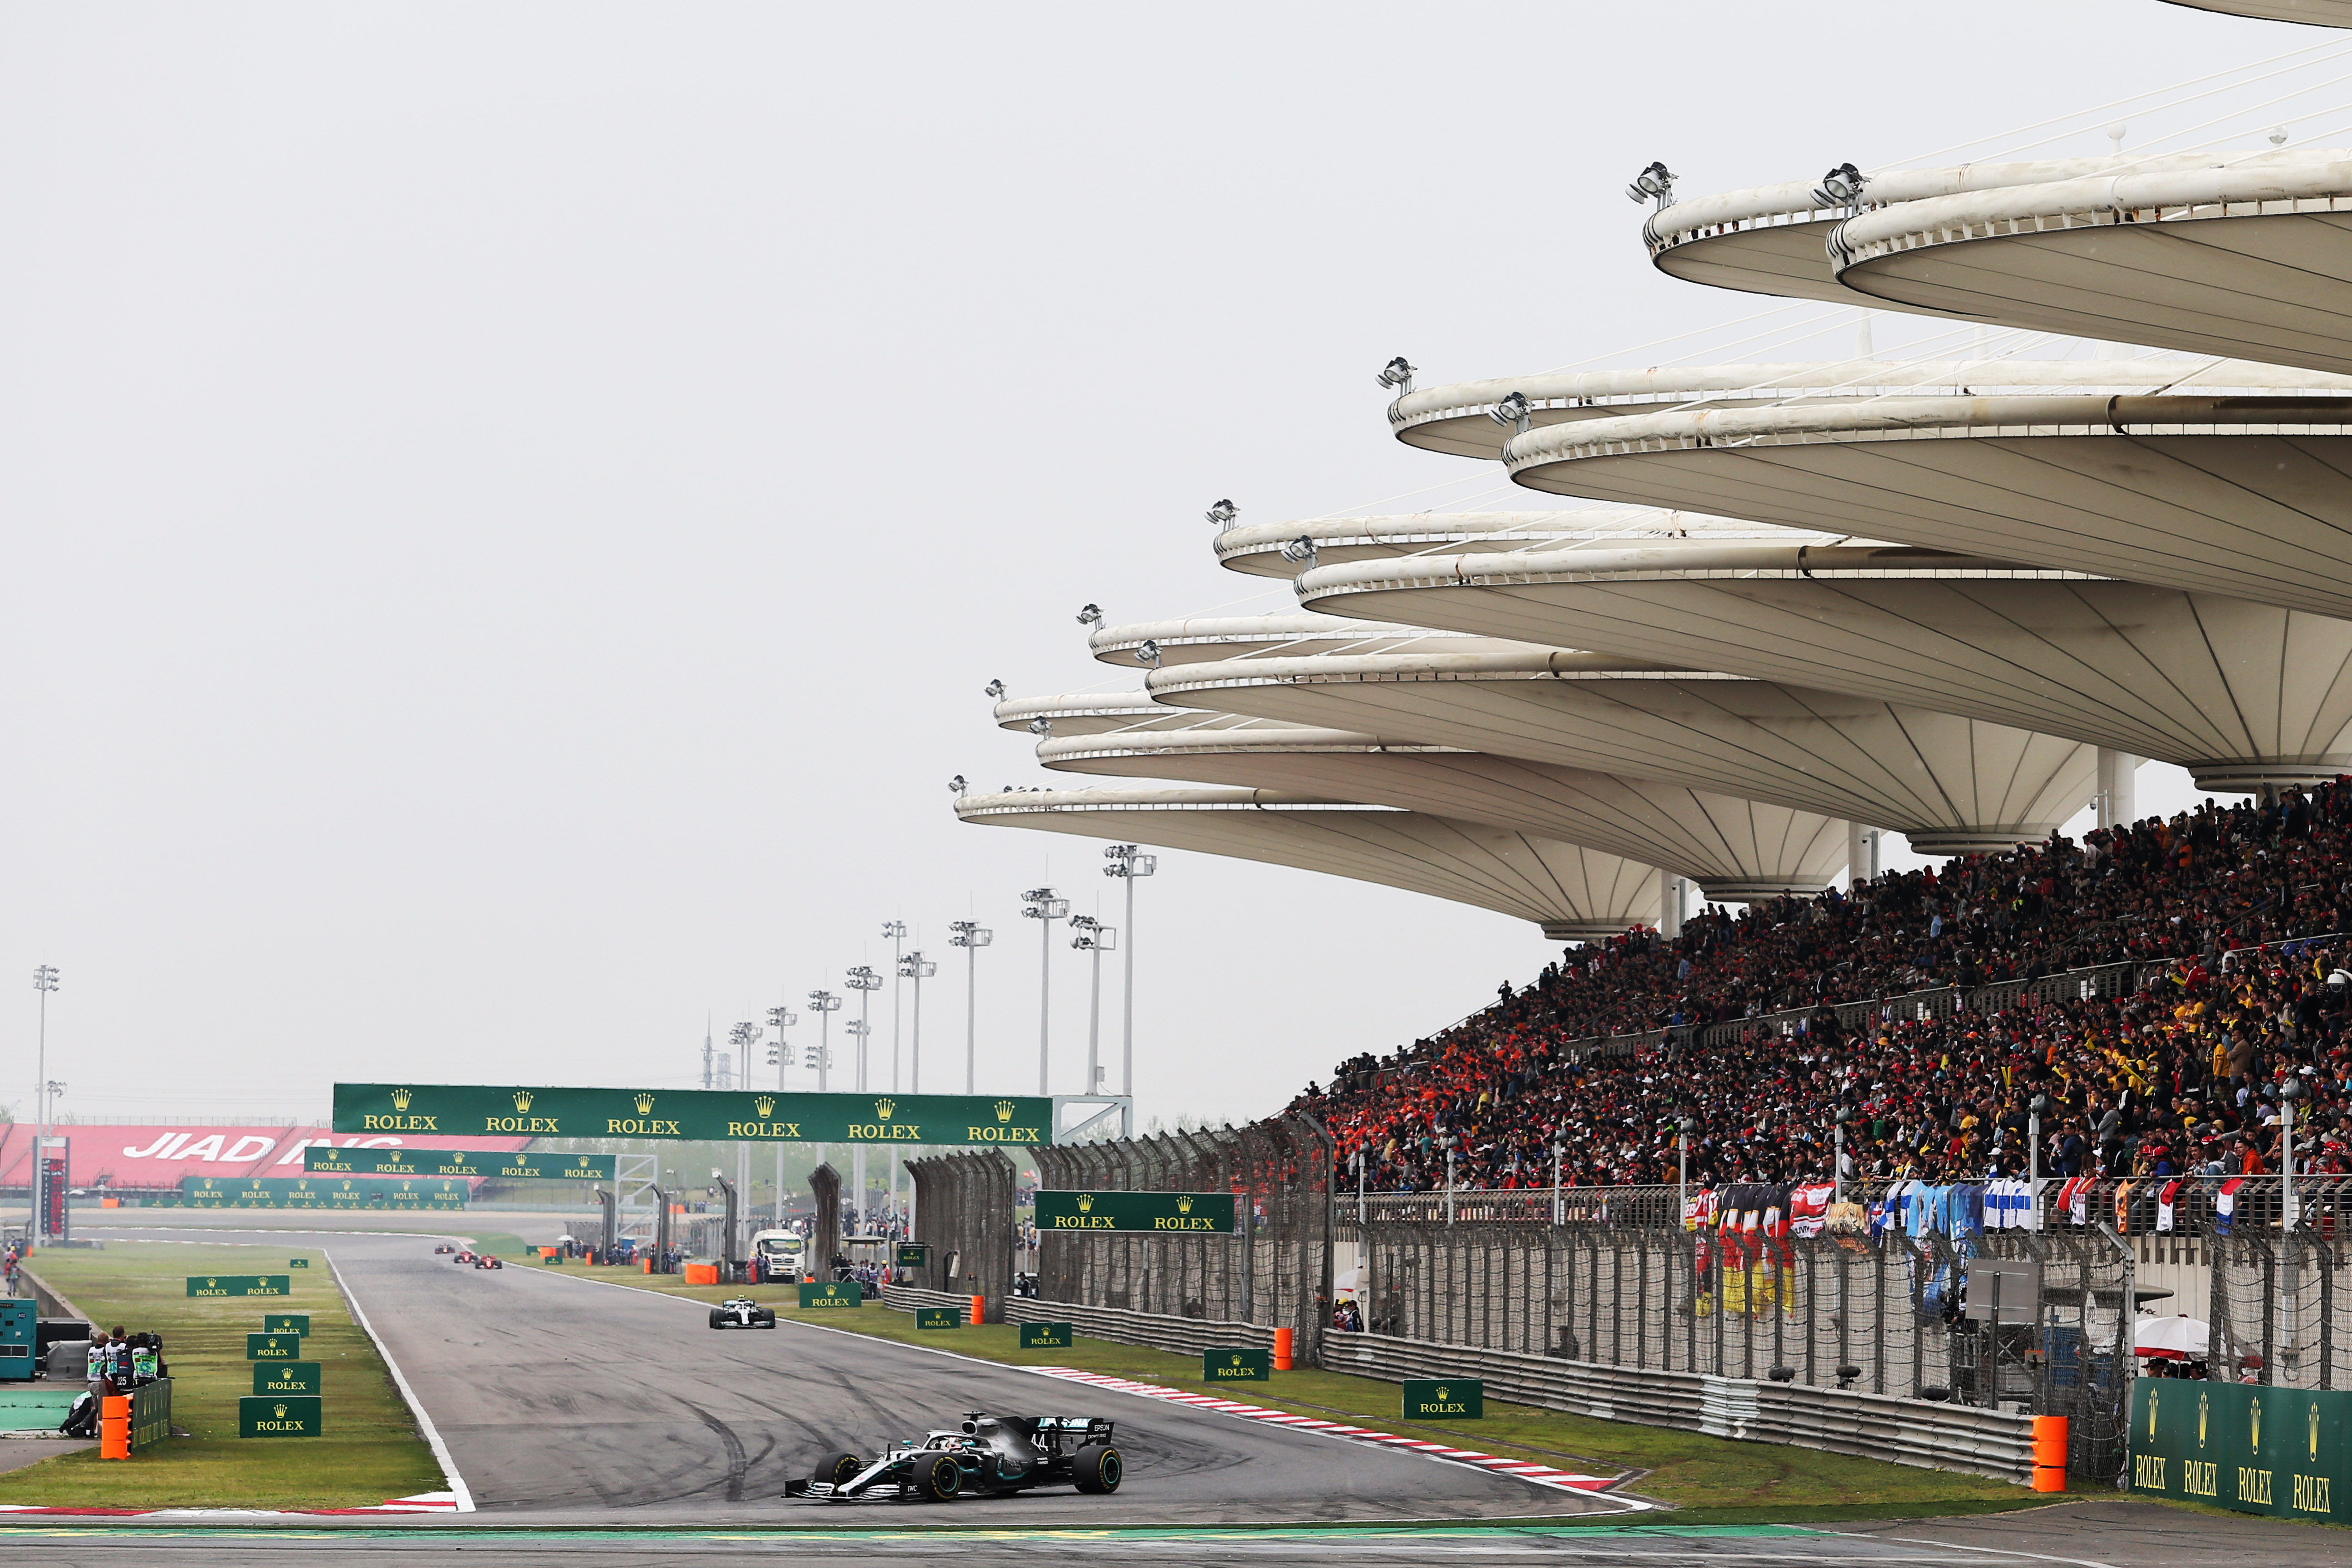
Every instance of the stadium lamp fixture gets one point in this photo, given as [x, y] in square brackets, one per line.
[1654, 183]
[993, 689]
[958, 787]
[1840, 187]
[1150, 652]
[862, 978]
[1397, 375]
[1510, 410]
[1302, 548]
[1223, 513]
[1090, 616]
[1041, 727]
[968, 933]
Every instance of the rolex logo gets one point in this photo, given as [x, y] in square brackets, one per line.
[2314, 1424]
[212, 1284]
[1441, 1392]
[1237, 1360]
[883, 1108]
[1085, 1203]
[279, 1411]
[2254, 1426]
[400, 1097]
[522, 1101]
[1004, 1108]
[645, 1105]
[303, 1186]
[273, 1341]
[2204, 1408]
[765, 1105]
[1184, 1204]
[347, 1184]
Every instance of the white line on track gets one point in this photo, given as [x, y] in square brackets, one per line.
[416, 1406]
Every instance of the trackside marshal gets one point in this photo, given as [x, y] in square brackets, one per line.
[424, 1110]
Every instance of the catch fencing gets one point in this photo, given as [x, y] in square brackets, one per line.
[825, 1239]
[963, 1213]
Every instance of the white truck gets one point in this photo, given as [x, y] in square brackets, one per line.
[782, 1254]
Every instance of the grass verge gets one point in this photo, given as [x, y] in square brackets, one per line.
[369, 1451]
[1719, 1480]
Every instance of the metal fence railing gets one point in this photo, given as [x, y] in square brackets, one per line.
[963, 1213]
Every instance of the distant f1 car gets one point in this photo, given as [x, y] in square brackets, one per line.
[444, 1247]
[989, 1453]
[483, 1260]
[742, 1312]
[463, 1256]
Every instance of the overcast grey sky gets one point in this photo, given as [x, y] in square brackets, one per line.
[511, 506]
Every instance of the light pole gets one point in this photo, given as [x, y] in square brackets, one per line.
[1127, 865]
[914, 966]
[895, 932]
[825, 1004]
[971, 936]
[779, 1019]
[44, 980]
[1043, 908]
[1098, 939]
[864, 981]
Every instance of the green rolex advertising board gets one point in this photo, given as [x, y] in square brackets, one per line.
[526, 1166]
[938, 1317]
[322, 1192]
[286, 1322]
[240, 1284]
[273, 1347]
[914, 1254]
[1045, 1336]
[1236, 1366]
[713, 1115]
[2280, 1451]
[293, 1416]
[1445, 1399]
[833, 1293]
[297, 1263]
[272, 1379]
[1206, 1214]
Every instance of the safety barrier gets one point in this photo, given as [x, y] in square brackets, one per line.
[907, 1298]
[1184, 1336]
[1915, 1432]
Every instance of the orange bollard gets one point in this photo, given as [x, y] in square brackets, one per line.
[648, 1264]
[979, 1311]
[2049, 1453]
[1282, 1340]
[114, 1427]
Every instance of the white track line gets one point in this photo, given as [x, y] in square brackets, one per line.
[416, 1406]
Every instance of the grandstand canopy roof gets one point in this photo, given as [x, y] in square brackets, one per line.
[2239, 693]
[2319, 13]
[2239, 494]
[1258, 550]
[1572, 893]
[1734, 848]
[1951, 784]
[1455, 418]
[1771, 239]
[2251, 260]
[1299, 631]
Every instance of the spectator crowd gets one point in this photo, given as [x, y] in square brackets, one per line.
[2235, 997]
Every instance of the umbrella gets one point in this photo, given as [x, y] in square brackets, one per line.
[2183, 1338]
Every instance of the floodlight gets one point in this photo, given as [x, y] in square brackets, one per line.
[1511, 411]
[1224, 513]
[1091, 616]
[1397, 375]
[1840, 187]
[958, 787]
[1301, 550]
[993, 689]
[1657, 182]
[1150, 652]
[1041, 727]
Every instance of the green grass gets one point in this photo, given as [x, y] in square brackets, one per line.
[369, 1451]
[1725, 1481]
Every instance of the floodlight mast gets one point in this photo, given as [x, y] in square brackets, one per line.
[895, 931]
[44, 980]
[825, 1004]
[1043, 908]
[779, 1019]
[1127, 865]
[1098, 939]
[971, 936]
[916, 968]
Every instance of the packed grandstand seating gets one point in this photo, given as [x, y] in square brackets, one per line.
[2180, 1071]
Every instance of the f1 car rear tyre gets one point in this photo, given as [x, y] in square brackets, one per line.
[1096, 1468]
[838, 1470]
[940, 1480]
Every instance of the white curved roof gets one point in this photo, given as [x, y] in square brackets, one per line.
[2239, 693]
[2242, 495]
[1734, 848]
[2318, 13]
[1951, 784]
[1092, 713]
[1257, 549]
[1770, 239]
[1571, 892]
[1454, 419]
[2250, 260]
[1228, 636]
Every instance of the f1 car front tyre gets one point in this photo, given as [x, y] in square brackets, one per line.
[764, 1321]
[940, 1480]
[1096, 1468]
[718, 1319]
[839, 1470]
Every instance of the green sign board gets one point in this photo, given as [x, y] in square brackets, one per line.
[294, 1416]
[938, 1317]
[240, 1284]
[1164, 1214]
[1236, 1366]
[833, 1293]
[285, 1323]
[725, 1116]
[322, 1192]
[297, 1263]
[914, 1254]
[2239, 1445]
[1045, 1336]
[1445, 1399]
[525, 1166]
[274, 1378]
[273, 1347]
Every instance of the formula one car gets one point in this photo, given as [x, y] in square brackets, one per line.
[989, 1454]
[444, 1247]
[742, 1312]
[483, 1260]
[463, 1256]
